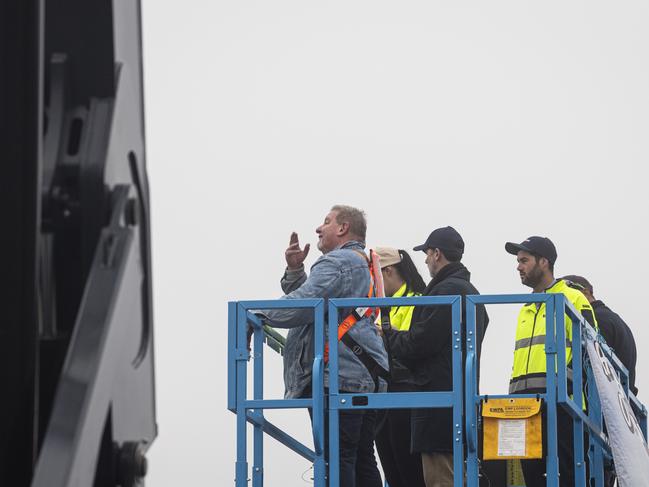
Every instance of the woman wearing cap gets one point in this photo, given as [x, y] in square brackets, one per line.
[400, 278]
[401, 468]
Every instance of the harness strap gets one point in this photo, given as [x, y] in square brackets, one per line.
[372, 366]
[354, 317]
[347, 324]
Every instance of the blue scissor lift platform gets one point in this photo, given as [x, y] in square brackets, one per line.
[464, 398]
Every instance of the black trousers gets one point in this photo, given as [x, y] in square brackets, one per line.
[401, 468]
[357, 430]
[534, 470]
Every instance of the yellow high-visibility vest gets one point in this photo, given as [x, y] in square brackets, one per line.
[529, 367]
[400, 316]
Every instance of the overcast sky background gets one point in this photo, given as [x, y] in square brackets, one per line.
[503, 119]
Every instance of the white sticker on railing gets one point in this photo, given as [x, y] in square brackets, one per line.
[628, 445]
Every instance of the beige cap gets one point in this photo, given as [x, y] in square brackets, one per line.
[388, 256]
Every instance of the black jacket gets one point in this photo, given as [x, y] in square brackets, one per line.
[618, 336]
[426, 350]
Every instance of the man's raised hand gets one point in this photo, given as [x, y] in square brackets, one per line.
[294, 254]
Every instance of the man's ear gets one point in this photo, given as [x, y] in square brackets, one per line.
[545, 263]
[343, 229]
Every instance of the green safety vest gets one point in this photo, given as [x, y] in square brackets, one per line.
[400, 316]
[528, 370]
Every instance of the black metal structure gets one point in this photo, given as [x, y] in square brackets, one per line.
[77, 396]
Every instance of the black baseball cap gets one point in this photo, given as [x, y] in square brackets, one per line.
[445, 238]
[541, 246]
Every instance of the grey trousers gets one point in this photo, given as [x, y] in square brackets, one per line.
[438, 469]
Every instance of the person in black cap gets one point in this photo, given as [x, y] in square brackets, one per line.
[426, 350]
[618, 336]
[615, 331]
[536, 257]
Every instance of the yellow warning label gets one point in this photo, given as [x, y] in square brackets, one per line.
[511, 408]
[511, 428]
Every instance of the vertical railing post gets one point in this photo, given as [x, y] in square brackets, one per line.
[577, 391]
[258, 394]
[232, 360]
[471, 390]
[553, 320]
[458, 392]
[241, 356]
[319, 466]
[595, 451]
[334, 440]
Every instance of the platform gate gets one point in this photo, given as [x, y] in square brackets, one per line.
[464, 396]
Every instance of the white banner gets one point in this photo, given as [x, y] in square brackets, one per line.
[629, 448]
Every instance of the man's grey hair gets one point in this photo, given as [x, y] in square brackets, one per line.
[354, 217]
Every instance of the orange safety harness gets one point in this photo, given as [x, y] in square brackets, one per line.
[359, 313]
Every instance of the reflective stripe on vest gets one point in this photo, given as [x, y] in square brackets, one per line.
[535, 340]
[526, 383]
[537, 381]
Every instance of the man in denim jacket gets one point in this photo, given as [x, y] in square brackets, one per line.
[341, 272]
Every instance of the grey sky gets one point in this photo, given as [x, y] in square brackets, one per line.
[503, 119]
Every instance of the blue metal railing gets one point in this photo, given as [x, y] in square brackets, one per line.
[464, 398]
[557, 308]
[251, 411]
[473, 399]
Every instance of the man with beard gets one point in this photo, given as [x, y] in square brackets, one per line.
[426, 348]
[536, 257]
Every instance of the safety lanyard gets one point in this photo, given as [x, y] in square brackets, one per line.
[356, 315]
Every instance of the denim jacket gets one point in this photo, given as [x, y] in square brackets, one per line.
[341, 273]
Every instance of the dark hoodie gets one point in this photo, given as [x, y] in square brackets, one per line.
[426, 350]
[619, 337]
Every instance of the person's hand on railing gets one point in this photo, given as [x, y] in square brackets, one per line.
[294, 254]
[255, 319]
